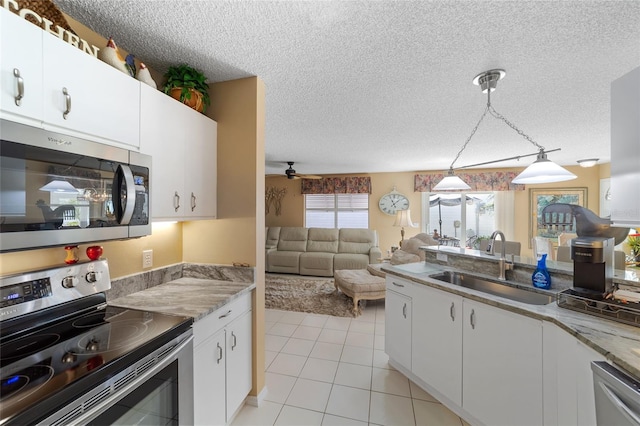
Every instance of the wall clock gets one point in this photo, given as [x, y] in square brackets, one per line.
[392, 202]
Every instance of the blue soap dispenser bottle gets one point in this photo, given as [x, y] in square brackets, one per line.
[541, 277]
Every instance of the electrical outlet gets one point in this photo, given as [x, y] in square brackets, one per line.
[147, 258]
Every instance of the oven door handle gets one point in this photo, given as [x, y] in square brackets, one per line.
[124, 203]
[131, 386]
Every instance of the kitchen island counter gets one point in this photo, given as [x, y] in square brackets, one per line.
[187, 296]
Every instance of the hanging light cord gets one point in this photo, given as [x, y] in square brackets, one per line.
[491, 110]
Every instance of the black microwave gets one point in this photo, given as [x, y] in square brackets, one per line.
[58, 190]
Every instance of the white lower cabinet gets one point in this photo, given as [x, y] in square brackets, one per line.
[501, 366]
[222, 362]
[397, 342]
[437, 341]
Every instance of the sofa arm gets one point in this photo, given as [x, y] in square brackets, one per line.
[375, 255]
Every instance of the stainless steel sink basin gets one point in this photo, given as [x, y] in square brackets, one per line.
[494, 288]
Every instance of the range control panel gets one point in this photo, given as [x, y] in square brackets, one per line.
[25, 293]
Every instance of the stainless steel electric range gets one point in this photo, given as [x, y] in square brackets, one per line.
[67, 358]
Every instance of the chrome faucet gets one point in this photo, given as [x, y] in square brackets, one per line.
[503, 265]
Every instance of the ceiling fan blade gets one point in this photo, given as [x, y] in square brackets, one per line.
[308, 176]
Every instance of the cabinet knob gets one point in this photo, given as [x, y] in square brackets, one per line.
[67, 100]
[20, 81]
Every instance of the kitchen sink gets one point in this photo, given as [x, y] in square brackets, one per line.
[494, 288]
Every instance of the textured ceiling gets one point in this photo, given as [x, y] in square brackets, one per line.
[363, 86]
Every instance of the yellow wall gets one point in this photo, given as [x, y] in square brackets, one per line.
[382, 183]
[238, 233]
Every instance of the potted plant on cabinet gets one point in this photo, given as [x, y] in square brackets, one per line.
[634, 243]
[187, 85]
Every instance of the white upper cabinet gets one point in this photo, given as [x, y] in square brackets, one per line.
[65, 89]
[85, 97]
[625, 150]
[183, 145]
[21, 68]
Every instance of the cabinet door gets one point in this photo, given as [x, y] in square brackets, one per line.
[104, 102]
[20, 49]
[201, 167]
[209, 381]
[162, 135]
[397, 341]
[238, 362]
[437, 341]
[625, 150]
[502, 366]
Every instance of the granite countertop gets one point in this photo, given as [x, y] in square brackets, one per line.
[619, 343]
[190, 297]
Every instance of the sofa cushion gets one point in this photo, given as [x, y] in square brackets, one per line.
[284, 261]
[375, 270]
[359, 241]
[273, 235]
[316, 263]
[293, 239]
[350, 261]
[322, 240]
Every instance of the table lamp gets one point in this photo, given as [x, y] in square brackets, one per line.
[403, 218]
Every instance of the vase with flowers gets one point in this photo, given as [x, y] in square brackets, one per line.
[633, 240]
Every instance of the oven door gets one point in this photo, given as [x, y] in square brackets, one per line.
[158, 389]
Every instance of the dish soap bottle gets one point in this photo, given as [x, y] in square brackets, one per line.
[541, 277]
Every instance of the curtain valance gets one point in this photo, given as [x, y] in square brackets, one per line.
[481, 181]
[336, 185]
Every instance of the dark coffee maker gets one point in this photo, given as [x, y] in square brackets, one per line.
[592, 264]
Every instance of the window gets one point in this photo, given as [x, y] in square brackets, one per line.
[336, 210]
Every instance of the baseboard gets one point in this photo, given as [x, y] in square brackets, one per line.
[257, 400]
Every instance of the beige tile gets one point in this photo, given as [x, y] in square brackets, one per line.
[391, 410]
[306, 332]
[294, 416]
[332, 336]
[282, 329]
[381, 360]
[273, 315]
[288, 364]
[274, 343]
[390, 381]
[330, 351]
[356, 376]
[309, 394]
[269, 356]
[359, 339]
[314, 320]
[349, 402]
[319, 369]
[331, 420]
[338, 323]
[378, 343]
[264, 415]
[298, 347]
[418, 393]
[380, 329]
[278, 387]
[362, 327]
[357, 355]
[292, 317]
[368, 314]
[430, 413]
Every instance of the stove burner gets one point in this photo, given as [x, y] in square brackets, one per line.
[90, 320]
[26, 346]
[34, 377]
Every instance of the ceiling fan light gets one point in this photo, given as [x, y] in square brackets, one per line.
[543, 171]
[451, 182]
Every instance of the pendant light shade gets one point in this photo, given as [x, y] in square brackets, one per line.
[59, 186]
[451, 182]
[543, 171]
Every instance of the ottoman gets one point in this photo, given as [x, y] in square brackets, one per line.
[359, 284]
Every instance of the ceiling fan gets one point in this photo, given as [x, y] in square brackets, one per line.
[290, 173]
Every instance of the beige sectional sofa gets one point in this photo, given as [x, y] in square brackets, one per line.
[319, 251]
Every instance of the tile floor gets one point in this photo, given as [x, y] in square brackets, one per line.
[325, 370]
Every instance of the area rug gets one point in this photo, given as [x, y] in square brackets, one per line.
[313, 295]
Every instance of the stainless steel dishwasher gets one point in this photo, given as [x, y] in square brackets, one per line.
[617, 396]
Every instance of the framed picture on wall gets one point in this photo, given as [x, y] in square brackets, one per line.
[539, 198]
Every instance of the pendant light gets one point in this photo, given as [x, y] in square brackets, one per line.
[541, 171]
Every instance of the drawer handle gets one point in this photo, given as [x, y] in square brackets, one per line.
[225, 315]
[234, 341]
[67, 101]
[219, 354]
[396, 284]
[20, 80]
[472, 319]
[452, 312]
[193, 202]
[404, 310]
[176, 201]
